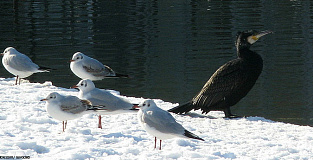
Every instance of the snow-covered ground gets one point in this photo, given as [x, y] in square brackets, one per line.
[27, 130]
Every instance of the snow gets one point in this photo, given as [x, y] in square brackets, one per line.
[27, 130]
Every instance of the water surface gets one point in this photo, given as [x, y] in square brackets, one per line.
[171, 48]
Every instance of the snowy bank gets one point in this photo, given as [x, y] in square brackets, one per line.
[27, 130]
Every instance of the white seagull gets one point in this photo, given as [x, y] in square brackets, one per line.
[86, 67]
[112, 103]
[160, 123]
[19, 64]
[65, 108]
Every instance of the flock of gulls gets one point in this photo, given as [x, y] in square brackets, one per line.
[228, 85]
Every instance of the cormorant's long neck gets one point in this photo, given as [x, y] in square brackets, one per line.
[245, 52]
[252, 58]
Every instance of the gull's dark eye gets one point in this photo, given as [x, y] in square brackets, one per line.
[144, 104]
[82, 84]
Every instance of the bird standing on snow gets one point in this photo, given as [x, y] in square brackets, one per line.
[19, 64]
[86, 67]
[232, 81]
[160, 123]
[112, 103]
[65, 108]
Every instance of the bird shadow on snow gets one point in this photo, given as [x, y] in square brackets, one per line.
[262, 119]
[197, 115]
[120, 135]
[248, 118]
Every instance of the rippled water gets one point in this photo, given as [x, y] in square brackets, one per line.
[171, 48]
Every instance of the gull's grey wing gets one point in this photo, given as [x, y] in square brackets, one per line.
[110, 101]
[102, 94]
[86, 102]
[111, 105]
[74, 105]
[90, 106]
[20, 62]
[96, 68]
[162, 121]
[95, 101]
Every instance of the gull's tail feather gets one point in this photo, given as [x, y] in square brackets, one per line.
[44, 69]
[118, 75]
[96, 108]
[191, 135]
[122, 75]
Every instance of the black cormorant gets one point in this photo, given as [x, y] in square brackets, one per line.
[232, 81]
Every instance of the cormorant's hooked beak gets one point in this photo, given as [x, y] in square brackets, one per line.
[252, 39]
[263, 33]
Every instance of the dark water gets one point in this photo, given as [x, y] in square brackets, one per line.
[171, 48]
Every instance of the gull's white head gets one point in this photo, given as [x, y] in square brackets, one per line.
[9, 50]
[78, 56]
[51, 97]
[85, 85]
[147, 104]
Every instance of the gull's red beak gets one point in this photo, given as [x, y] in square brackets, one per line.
[136, 106]
[74, 86]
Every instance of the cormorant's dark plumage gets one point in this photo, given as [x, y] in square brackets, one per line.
[232, 81]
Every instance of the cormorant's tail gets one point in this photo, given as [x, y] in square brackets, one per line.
[182, 108]
[191, 135]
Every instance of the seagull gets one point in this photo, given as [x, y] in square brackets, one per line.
[160, 123]
[86, 67]
[65, 108]
[19, 64]
[112, 103]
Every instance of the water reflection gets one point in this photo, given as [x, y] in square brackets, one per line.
[171, 48]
